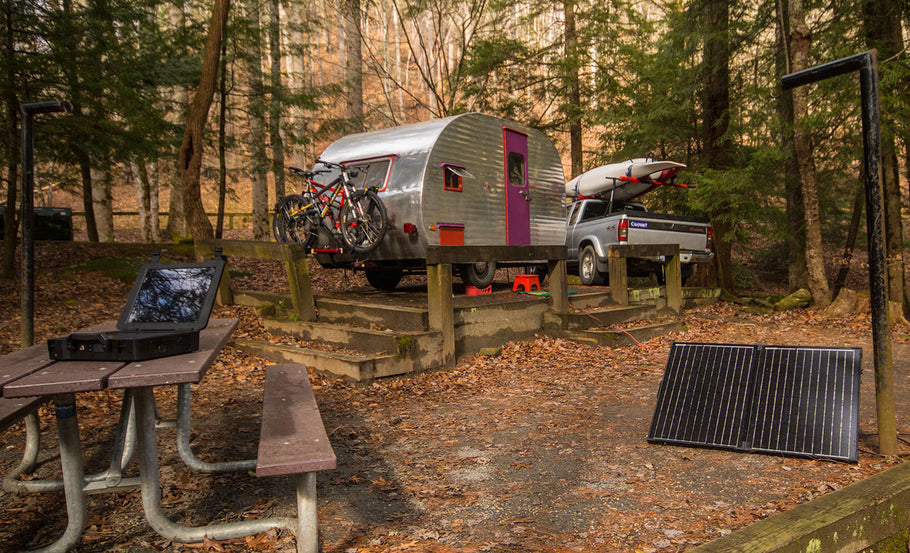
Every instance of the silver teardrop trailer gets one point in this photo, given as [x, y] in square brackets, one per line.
[470, 180]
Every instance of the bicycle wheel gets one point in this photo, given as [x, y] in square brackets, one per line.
[363, 221]
[292, 222]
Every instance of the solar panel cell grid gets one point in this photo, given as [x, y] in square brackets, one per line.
[776, 399]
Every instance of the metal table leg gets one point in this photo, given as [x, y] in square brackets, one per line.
[183, 441]
[151, 489]
[29, 455]
[71, 461]
[111, 479]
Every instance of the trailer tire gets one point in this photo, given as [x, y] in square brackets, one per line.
[384, 279]
[587, 267]
[479, 275]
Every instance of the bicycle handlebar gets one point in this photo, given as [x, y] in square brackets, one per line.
[339, 166]
[350, 171]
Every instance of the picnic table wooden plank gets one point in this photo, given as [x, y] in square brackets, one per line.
[22, 363]
[292, 439]
[13, 409]
[63, 377]
[85, 376]
[187, 368]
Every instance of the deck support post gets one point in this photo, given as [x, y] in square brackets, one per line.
[441, 308]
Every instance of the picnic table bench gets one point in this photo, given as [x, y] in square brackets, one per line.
[293, 438]
[293, 441]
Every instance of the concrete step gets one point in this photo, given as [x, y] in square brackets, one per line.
[349, 337]
[595, 318]
[623, 337]
[331, 310]
[372, 315]
[582, 299]
[357, 367]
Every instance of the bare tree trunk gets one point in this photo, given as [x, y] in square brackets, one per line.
[797, 274]
[883, 31]
[154, 181]
[396, 22]
[222, 142]
[276, 103]
[85, 172]
[800, 40]
[193, 142]
[256, 118]
[10, 220]
[859, 199]
[102, 201]
[715, 143]
[353, 67]
[295, 52]
[176, 221]
[573, 89]
[142, 186]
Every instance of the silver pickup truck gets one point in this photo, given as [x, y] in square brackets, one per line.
[594, 225]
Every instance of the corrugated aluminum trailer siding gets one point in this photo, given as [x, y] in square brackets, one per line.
[475, 141]
[410, 145]
[415, 192]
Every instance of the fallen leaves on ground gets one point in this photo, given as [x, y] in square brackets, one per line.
[539, 448]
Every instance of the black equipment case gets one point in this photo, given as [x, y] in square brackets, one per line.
[167, 307]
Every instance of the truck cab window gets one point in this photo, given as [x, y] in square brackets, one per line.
[573, 216]
[595, 210]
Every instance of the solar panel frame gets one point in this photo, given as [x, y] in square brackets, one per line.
[792, 400]
[690, 385]
[819, 417]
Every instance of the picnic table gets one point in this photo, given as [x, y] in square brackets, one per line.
[29, 378]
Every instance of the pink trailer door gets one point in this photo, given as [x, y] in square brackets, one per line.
[518, 211]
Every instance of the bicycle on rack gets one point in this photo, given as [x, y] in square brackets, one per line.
[357, 217]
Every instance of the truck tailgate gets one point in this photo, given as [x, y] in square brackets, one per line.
[689, 232]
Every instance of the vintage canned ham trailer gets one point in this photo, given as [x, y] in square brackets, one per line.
[465, 180]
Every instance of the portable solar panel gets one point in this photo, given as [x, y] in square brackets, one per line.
[777, 399]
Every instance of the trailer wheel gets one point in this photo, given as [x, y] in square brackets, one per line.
[587, 267]
[479, 275]
[384, 279]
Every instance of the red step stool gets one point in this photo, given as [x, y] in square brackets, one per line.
[526, 283]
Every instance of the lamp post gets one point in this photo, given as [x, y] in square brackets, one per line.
[27, 210]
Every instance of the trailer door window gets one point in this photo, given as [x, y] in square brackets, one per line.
[516, 169]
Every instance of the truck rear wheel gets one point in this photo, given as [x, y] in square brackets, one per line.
[587, 267]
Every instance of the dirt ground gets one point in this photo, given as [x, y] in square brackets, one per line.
[540, 448]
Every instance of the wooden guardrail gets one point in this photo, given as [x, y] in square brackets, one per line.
[293, 255]
[619, 279]
[229, 215]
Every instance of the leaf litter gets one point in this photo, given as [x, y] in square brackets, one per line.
[539, 448]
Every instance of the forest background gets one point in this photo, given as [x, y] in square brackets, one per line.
[188, 108]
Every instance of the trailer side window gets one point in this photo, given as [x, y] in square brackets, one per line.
[373, 173]
[453, 177]
[516, 169]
